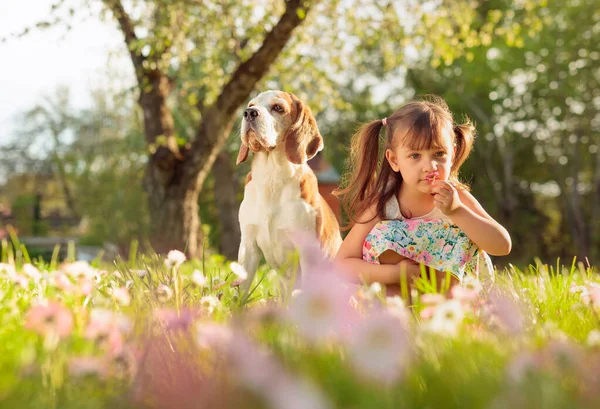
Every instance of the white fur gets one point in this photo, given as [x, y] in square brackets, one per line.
[272, 208]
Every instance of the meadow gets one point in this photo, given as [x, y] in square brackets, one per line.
[166, 332]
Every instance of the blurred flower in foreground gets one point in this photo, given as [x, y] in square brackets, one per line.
[430, 303]
[505, 312]
[260, 372]
[446, 319]
[163, 293]
[209, 303]
[210, 335]
[238, 270]
[51, 318]
[322, 309]
[173, 321]
[468, 290]
[175, 258]
[380, 346]
[85, 366]
[524, 365]
[395, 306]
[7, 269]
[121, 296]
[32, 272]
[198, 278]
[593, 338]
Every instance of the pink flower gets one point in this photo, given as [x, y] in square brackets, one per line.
[463, 293]
[84, 366]
[430, 301]
[86, 286]
[380, 347]
[431, 177]
[506, 313]
[411, 224]
[62, 282]
[524, 365]
[322, 309]
[425, 258]
[52, 318]
[210, 335]
[121, 295]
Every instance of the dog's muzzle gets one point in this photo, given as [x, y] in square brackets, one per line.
[250, 114]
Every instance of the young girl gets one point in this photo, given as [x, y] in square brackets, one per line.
[410, 208]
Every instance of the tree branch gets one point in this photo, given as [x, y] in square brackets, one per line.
[249, 73]
[128, 29]
[218, 117]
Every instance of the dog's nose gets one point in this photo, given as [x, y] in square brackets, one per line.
[251, 113]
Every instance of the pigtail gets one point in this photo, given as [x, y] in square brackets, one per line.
[358, 195]
[464, 136]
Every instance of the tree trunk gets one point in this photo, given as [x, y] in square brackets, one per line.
[175, 219]
[226, 190]
[174, 178]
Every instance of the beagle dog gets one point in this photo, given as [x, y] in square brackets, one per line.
[281, 196]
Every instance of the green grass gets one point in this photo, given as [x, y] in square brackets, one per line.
[162, 366]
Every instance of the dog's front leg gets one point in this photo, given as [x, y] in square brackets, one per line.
[249, 255]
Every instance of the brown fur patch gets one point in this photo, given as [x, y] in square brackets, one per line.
[303, 139]
[248, 177]
[326, 223]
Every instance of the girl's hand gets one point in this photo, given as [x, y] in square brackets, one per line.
[445, 197]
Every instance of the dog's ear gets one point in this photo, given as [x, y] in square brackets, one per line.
[303, 139]
[242, 154]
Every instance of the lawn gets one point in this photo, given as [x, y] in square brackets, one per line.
[156, 332]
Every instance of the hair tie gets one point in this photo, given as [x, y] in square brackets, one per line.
[384, 121]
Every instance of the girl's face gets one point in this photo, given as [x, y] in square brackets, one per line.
[419, 167]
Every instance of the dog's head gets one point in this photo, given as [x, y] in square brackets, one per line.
[274, 118]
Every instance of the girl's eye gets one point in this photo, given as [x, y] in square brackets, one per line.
[440, 154]
[277, 108]
[415, 156]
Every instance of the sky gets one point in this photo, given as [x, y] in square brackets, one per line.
[33, 66]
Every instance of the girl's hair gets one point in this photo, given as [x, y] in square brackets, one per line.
[372, 180]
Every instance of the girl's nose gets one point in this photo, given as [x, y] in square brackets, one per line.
[430, 166]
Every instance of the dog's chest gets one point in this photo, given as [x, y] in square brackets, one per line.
[274, 207]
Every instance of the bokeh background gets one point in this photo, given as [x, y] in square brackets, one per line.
[119, 120]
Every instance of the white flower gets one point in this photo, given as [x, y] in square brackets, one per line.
[397, 307]
[446, 319]
[322, 309]
[593, 338]
[121, 295]
[380, 347]
[375, 288]
[198, 278]
[175, 258]
[9, 269]
[209, 302]
[163, 293]
[238, 270]
[32, 272]
[141, 273]
[79, 269]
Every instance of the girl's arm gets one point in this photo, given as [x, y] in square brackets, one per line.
[349, 256]
[489, 235]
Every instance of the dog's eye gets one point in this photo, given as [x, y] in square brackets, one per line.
[277, 108]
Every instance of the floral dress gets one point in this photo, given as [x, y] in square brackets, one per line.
[432, 240]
